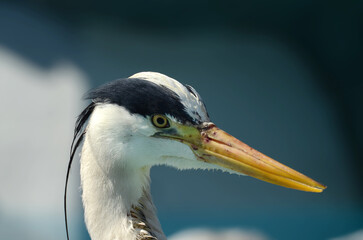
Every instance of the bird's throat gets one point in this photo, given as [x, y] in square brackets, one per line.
[117, 201]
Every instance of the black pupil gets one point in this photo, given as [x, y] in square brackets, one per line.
[160, 120]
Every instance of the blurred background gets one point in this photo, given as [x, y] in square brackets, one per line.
[283, 76]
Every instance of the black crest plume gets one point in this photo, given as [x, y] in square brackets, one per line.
[79, 132]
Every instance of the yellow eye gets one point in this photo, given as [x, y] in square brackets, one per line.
[160, 121]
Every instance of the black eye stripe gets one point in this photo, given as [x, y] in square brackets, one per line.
[141, 97]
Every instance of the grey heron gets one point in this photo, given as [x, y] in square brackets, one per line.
[151, 119]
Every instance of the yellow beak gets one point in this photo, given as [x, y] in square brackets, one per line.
[212, 145]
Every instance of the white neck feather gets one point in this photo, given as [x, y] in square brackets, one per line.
[110, 193]
[115, 166]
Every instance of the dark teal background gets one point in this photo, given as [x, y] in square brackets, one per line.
[284, 77]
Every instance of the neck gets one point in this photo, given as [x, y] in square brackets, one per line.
[117, 201]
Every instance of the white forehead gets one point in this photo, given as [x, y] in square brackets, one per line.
[192, 101]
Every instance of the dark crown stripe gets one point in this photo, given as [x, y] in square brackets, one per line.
[142, 97]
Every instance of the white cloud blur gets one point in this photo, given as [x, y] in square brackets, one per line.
[38, 110]
[358, 235]
[227, 234]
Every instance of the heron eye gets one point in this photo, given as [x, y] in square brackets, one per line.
[160, 121]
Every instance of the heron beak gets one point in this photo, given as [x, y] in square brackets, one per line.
[212, 145]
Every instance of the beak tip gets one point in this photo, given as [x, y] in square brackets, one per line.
[318, 188]
[323, 187]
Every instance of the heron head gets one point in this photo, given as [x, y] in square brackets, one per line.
[151, 119]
